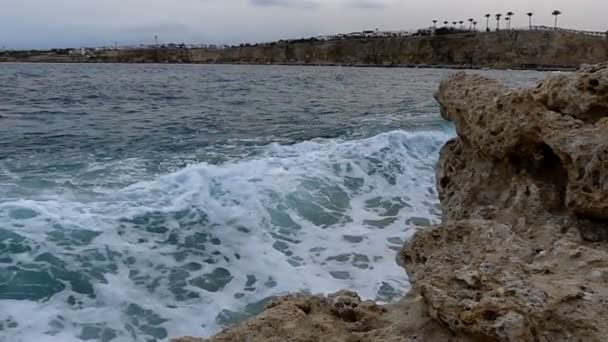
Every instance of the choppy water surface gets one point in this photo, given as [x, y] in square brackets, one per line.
[141, 202]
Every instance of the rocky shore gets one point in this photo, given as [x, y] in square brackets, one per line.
[522, 253]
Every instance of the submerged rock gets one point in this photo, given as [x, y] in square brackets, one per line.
[522, 253]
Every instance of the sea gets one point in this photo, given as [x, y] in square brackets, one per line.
[147, 202]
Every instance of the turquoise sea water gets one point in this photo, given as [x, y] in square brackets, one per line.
[141, 202]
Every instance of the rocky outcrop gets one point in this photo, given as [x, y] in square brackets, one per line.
[522, 253]
[338, 318]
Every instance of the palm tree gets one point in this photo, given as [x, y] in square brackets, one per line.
[556, 13]
[488, 22]
[530, 14]
[474, 25]
[507, 25]
[461, 22]
[509, 15]
[498, 21]
[454, 24]
[471, 20]
[435, 24]
[445, 23]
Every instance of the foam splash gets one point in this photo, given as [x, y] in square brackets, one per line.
[194, 250]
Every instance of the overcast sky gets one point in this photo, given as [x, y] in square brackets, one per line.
[73, 23]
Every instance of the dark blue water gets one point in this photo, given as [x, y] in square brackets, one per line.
[141, 202]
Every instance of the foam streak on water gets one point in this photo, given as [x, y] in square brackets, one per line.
[193, 250]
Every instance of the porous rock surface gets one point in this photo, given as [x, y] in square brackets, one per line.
[522, 253]
[341, 317]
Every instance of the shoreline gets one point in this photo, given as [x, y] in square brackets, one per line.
[515, 50]
[402, 66]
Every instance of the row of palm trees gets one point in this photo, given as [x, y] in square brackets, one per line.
[472, 24]
[508, 16]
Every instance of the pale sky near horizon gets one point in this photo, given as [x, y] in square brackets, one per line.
[74, 23]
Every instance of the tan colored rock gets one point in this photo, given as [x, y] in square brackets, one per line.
[529, 137]
[524, 190]
[522, 253]
[342, 317]
[583, 97]
[522, 282]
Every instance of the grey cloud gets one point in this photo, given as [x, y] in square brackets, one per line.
[312, 4]
[306, 4]
[366, 4]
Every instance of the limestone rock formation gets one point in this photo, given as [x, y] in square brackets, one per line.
[341, 317]
[522, 253]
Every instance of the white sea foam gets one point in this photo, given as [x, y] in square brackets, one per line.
[316, 216]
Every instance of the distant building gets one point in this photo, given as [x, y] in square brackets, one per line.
[369, 34]
[384, 34]
[355, 35]
[424, 32]
[78, 52]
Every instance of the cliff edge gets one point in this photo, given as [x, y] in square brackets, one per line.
[522, 253]
[503, 49]
[536, 49]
